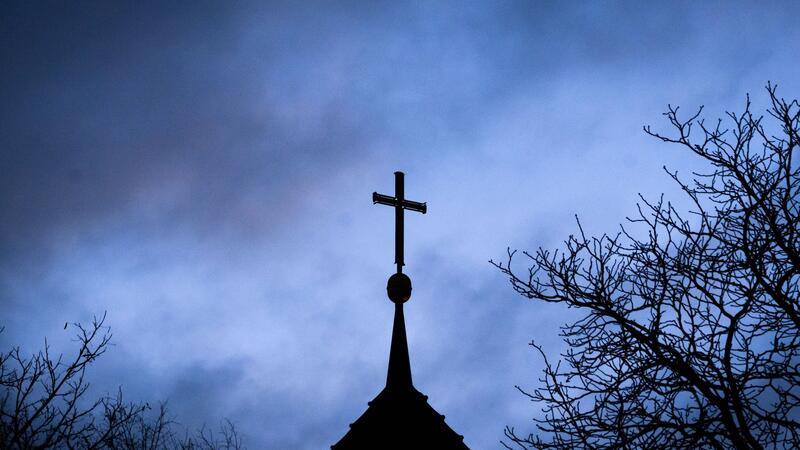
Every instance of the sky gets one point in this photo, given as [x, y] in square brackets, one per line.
[202, 172]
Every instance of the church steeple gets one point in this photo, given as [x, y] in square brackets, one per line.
[400, 416]
[398, 288]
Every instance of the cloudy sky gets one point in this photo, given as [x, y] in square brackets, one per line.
[203, 172]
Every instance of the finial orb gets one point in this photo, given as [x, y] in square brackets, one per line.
[399, 288]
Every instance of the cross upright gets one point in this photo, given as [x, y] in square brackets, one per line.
[400, 203]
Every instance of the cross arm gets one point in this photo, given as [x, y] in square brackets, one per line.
[415, 206]
[406, 204]
[383, 199]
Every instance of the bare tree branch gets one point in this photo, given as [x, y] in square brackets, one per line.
[690, 333]
[43, 405]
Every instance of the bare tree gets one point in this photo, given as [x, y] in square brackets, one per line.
[689, 328]
[43, 404]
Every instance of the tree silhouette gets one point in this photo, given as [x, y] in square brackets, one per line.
[689, 333]
[43, 404]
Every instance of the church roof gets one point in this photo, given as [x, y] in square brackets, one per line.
[400, 416]
[400, 420]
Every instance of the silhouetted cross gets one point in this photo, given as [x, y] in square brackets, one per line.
[400, 203]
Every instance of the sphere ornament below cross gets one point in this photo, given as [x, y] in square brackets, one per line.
[399, 288]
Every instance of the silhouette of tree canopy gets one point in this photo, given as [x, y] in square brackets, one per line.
[43, 404]
[689, 334]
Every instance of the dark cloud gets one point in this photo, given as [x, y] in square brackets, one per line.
[110, 106]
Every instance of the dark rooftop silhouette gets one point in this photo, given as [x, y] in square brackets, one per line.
[400, 416]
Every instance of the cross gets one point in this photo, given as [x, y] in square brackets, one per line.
[400, 203]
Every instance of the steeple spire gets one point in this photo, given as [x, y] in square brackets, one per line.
[398, 377]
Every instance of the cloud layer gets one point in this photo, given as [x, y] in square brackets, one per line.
[203, 173]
